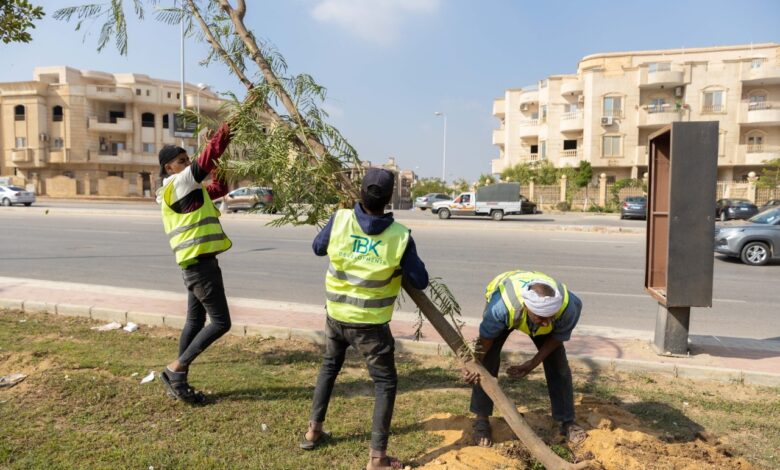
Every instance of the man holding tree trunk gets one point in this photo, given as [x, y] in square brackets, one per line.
[545, 310]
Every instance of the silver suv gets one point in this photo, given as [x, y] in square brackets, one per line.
[755, 241]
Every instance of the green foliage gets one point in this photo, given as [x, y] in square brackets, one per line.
[564, 206]
[460, 185]
[429, 185]
[521, 173]
[16, 19]
[583, 175]
[770, 174]
[546, 174]
[614, 192]
[486, 179]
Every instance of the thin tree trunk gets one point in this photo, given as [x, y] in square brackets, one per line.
[489, 384]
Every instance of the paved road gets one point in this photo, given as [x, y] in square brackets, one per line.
[606, 270]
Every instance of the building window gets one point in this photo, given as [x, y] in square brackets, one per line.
[19, 113]
[169, 94]
[148, 93]
[57, 143]
[757, 101]
[178, 96]
[138, 92]
[755, 144]
[570, 144]
[147, 120]
[120, 174]
[570, 108]
[147, 147]
[714, 102]
[657, 105]
[21, 142]
[56, 114]
[659, 67]
[165, 120]
[611, 146]
[613, 106]
[756, 63]
[543, 114]
[543, 149]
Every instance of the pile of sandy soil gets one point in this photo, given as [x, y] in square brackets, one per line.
[617, 440]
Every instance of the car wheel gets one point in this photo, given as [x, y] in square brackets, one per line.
[622, 216]
[755, 254]
[535, 211]
[259, 206]
[422, 208]
[497, 215]
[6, 202]
[723, 216]
[28, 204]
[444, 213]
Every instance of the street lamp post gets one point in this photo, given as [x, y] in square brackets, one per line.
[444, 147]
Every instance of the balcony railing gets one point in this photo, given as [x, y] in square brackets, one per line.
[763, 112]
[758, 105]
[571, 115]
[613, 113]
[529, 157]
[569, 153]
[713, 108]
[757, 154]
[529, 122]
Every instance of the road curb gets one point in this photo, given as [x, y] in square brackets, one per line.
[406, 346]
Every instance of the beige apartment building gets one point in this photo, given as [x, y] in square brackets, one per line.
[605, 112]
[78, 132]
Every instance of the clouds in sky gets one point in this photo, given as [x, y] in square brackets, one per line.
[378, 21]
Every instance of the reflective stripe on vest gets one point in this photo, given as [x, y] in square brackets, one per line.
[510, 285]
[364, 276]
[195, 233]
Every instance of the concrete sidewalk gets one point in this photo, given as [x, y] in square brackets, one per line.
[591, 348]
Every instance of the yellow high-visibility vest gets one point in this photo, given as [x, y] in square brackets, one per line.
[364, 276]
[195, 233]
[511, 285]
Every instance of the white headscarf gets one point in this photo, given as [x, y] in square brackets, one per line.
[542, 306]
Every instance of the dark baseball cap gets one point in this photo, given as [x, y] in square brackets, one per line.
[383, 181]
[168, 153]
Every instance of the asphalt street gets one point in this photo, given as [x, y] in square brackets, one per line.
[605, 270]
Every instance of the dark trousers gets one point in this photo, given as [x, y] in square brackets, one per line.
[206, 296]
[376, 344]
[556, 371]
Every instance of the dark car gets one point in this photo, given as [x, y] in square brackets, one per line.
[727, 209]
[634, 207]
[755, 241]
[248, 198]
[426, 202]
[769, 204]
[528, 206]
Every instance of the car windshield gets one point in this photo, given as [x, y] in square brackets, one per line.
[768, 217]
[738, 201]
[636, 199]
[15, 188]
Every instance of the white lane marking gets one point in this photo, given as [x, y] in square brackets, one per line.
[592, 241]
[647, 296]
[123, 232]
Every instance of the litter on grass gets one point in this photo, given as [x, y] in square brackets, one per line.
[148, 378]
[9, 381]
[108, 326]
[130, 327]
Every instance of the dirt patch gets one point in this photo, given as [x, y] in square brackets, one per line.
[23, 363]
[617, 440]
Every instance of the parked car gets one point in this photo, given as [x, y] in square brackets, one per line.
[247, 198]
[769, 204]
[10, 195]
[426, 202]
[634, 206]
[754, 242]
[528, 206]
[727, 209]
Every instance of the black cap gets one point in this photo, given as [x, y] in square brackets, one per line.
[168, 153]
[382, 180]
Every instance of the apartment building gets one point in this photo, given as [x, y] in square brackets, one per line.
[78, 132]
[605, 112]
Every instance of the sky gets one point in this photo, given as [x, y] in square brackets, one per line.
[389, 65]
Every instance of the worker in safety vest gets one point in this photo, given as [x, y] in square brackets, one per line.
[191, 223]
[369, 254]
[545, 310]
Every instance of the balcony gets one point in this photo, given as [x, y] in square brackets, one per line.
[757, 154]
[529, 157]
[571, 87]
[21, 155]
[765, 74]
[118, 156]
[658, 116]
[115, 125]
[499, 137]
[571, 121]
[763, 113]
[529, 97]
[661, 78]
[109, 93]
[206, 103]
[569, 158]
[529, 128]
[59, 155]
[499, 107]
